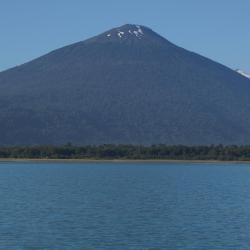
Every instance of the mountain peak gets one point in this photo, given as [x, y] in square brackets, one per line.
[129, 32]
[137, 31]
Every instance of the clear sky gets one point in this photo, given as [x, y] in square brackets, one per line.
[218, 29]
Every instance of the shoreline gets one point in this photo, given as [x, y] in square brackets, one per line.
[45, 160]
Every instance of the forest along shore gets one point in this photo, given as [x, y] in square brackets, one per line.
[126, 153]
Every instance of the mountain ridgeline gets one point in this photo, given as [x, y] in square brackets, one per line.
[128, 85]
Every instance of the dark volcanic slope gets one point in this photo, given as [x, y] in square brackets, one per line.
[127, 85]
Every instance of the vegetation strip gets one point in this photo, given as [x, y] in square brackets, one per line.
[129, 152]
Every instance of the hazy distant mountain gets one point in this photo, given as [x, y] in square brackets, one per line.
[243, 73]
[127, 85]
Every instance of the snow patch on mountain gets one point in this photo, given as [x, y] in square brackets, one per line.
[241, 72]
[120, 34]
[135, 31]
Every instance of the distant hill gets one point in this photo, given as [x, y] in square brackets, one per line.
[128, 85]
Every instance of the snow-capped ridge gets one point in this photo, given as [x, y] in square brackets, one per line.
[127, 30]
[241, 72]
[130, 34]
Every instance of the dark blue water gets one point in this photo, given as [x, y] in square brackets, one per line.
[124, 206]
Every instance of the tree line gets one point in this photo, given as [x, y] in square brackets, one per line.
[157, 152]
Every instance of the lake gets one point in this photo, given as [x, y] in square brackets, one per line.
[124, 206]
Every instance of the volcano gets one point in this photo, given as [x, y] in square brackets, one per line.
[128, 85]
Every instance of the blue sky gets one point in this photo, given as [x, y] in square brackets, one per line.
[218, 29]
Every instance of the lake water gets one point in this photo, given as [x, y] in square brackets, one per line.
[124, 206]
